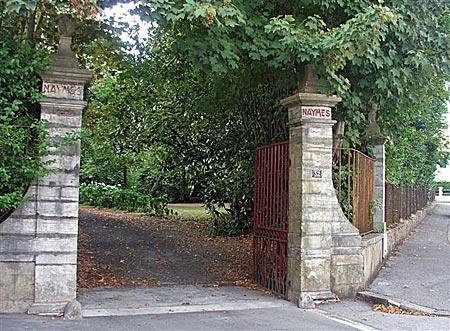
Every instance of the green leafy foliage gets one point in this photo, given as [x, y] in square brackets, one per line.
[28, 35]
[226, 225]
[442, 184]
[190, 112]
[183, 117]
[22, 136]
[100, 195]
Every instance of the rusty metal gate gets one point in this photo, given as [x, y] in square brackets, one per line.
[354, 182]
[270, 217]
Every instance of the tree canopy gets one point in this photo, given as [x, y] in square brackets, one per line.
[181, 114]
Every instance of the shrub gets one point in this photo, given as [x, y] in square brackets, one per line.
[227, 225]
[100, 195]
[22, 135]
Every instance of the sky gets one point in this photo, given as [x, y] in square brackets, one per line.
[121, 13]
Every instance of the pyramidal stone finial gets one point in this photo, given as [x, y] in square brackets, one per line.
[65, 57]
[372, 129]
[310, 82]
[66, 25]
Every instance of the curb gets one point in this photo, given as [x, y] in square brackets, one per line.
[376, 298]
[181, 309]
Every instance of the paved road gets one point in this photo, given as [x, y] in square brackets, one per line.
[420, 271]
[286, 318]
[347, 315]
[215, 308]
[359, 311]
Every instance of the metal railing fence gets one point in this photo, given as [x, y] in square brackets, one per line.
[401, 203]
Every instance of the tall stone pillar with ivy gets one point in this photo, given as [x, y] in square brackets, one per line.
[376, 141]
[39, 255]
[324, 249]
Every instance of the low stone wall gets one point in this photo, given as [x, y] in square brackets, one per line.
[396, 235]
[372, 251]
[346, 255]
[372, 244]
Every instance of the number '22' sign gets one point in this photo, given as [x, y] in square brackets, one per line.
[316, 173]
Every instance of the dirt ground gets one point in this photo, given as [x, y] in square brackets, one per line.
[117, 249]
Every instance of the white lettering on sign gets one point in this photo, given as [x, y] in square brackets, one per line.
[62, 91]
[316, 173]
[316, 112]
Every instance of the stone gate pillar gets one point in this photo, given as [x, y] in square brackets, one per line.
[38, 243]
[310, 214]
[57, 194]
[318, 231]
[376, 141]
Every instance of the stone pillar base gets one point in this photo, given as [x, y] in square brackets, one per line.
[52, 309]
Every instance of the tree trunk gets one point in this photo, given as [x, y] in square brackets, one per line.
[30, 27]
[338, 130]
[125, 176]
[157, 182]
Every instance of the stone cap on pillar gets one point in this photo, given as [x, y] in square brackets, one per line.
[310, 99]
[308, 104]
[65, 80]
[372, 129]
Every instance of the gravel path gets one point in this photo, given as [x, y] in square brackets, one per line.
[119, 249]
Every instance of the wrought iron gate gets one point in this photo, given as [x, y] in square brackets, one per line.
[270, 217]
[354, 182]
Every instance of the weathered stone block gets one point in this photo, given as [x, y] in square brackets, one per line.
[346, 290]
[23, 226]
[28, 209]
[58, 258]
[316, 185]
[6, 257]
[346, 259]
[55, 283]
[63, 121]
[16, 286]
[57, 226]
[317, 226]
[57, 208]
[65, 163]
[60, 179]
[315, 275]
[316, 142]
[16, 245]
[308, 253]
[378, 178]
[313, 200]
[316, 241]
[59, 193]
[316, 158]
[343, 240]
[61, 132]
[373, 259]
[345, 250]
[55, 245]
[347, 274]
[320, 215]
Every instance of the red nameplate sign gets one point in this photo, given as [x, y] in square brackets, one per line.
[63, 91]
[316, 112]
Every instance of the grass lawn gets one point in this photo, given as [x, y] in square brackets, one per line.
[183, 210]
[190, 210]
